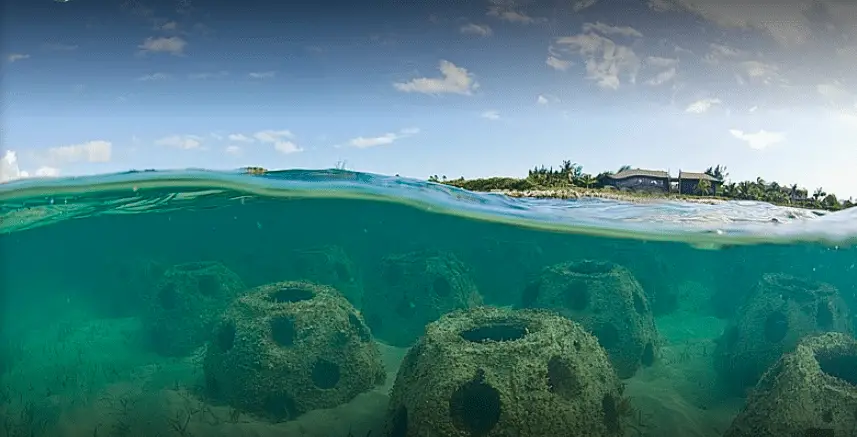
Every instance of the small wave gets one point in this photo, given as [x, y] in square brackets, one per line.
[25, 204]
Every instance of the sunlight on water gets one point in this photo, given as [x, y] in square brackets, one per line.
[333, 303]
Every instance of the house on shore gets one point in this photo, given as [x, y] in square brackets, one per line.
[687, 182]
[660, 181]
[640, 180]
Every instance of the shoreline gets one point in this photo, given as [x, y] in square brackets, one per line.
[568, 193]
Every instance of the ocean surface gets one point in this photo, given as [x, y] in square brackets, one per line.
[332, 303]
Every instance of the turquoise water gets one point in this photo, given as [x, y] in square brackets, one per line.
[329, 303]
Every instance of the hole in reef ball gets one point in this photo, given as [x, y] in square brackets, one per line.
[639, 305]
[608, 335]
[441, 287]
[325, 374]
[776, 327]
[475, 408]
[168, 296]
[498, 331]
[577, 295]
[562, 379]
[291, 295]
[824, 316]
[208, 285]
[648, 356]
[226, 336]
[611, 413]
[399, 423]
[531, 294]
[283, 331]
[842, 366]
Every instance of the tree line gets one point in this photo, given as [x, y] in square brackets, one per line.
[571, 175]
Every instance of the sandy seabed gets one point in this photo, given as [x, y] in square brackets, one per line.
[90, 378]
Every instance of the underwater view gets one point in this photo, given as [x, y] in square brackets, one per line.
[334, 303]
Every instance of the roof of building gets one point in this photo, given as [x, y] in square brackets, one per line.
[697, 176]
[637, 172]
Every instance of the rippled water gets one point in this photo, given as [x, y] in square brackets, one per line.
[323, 303]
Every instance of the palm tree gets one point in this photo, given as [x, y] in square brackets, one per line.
[819, 193]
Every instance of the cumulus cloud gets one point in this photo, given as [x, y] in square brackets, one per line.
[491, 115]
[262, 74]
[382, 140]
[557, 63]
[91, 151]
[208, 75]
[509, 10]
[233, 150]
[241, 138]
[453, 80]
[476, 29]
[607, 29]
[542, 100]
[760, 140]
[186, 142]
[280, 139]
[701, 106]
[173, 45]
[580, 5]
[605, 60]
[9, 169]
[153, 77]
[15, 57]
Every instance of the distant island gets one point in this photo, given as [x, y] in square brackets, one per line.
[627, 183]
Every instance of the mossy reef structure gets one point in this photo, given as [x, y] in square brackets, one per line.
[288, 348]
[811, 391]
[605, 298]
[493, 372]
[182, 309]
[780, 311]
[416, 289]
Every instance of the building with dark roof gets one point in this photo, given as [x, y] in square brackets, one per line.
[640, 180]
[688, 182]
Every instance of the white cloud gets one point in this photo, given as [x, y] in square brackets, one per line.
[510, 15]
[14, 57]
[233, 150]
[9, 169]
[186, 142]
[759, 140]
[172, 45]
[241, 138]
[491, 115]
[272, 136]
[208, 75]
[542, 100]
[92, 151]
[47, 172]
[607, 29]
[262, 74]
[280, 140]
[154, 77]
[557, 63]
[657, 61]
[454, 80]
[701, 106]
[786, 21]
[719, 52]
[582, 4]
[476, 29]
[169, 26]
[605, 60]
[835, 94]
[381, 140]
[662, 77]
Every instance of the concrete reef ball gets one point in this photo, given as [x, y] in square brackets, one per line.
[416, 289]
[327, 265]
[493, 372]
[288, 348]
[811, 391]
[183, 307]
[780, 311]
[606, 299]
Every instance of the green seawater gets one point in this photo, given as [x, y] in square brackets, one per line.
[203, 304]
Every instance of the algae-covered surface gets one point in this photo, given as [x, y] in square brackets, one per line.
[283, 304]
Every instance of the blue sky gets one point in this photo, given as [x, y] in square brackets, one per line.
[479, 88]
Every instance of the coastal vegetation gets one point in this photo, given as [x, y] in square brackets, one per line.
[569, 180]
